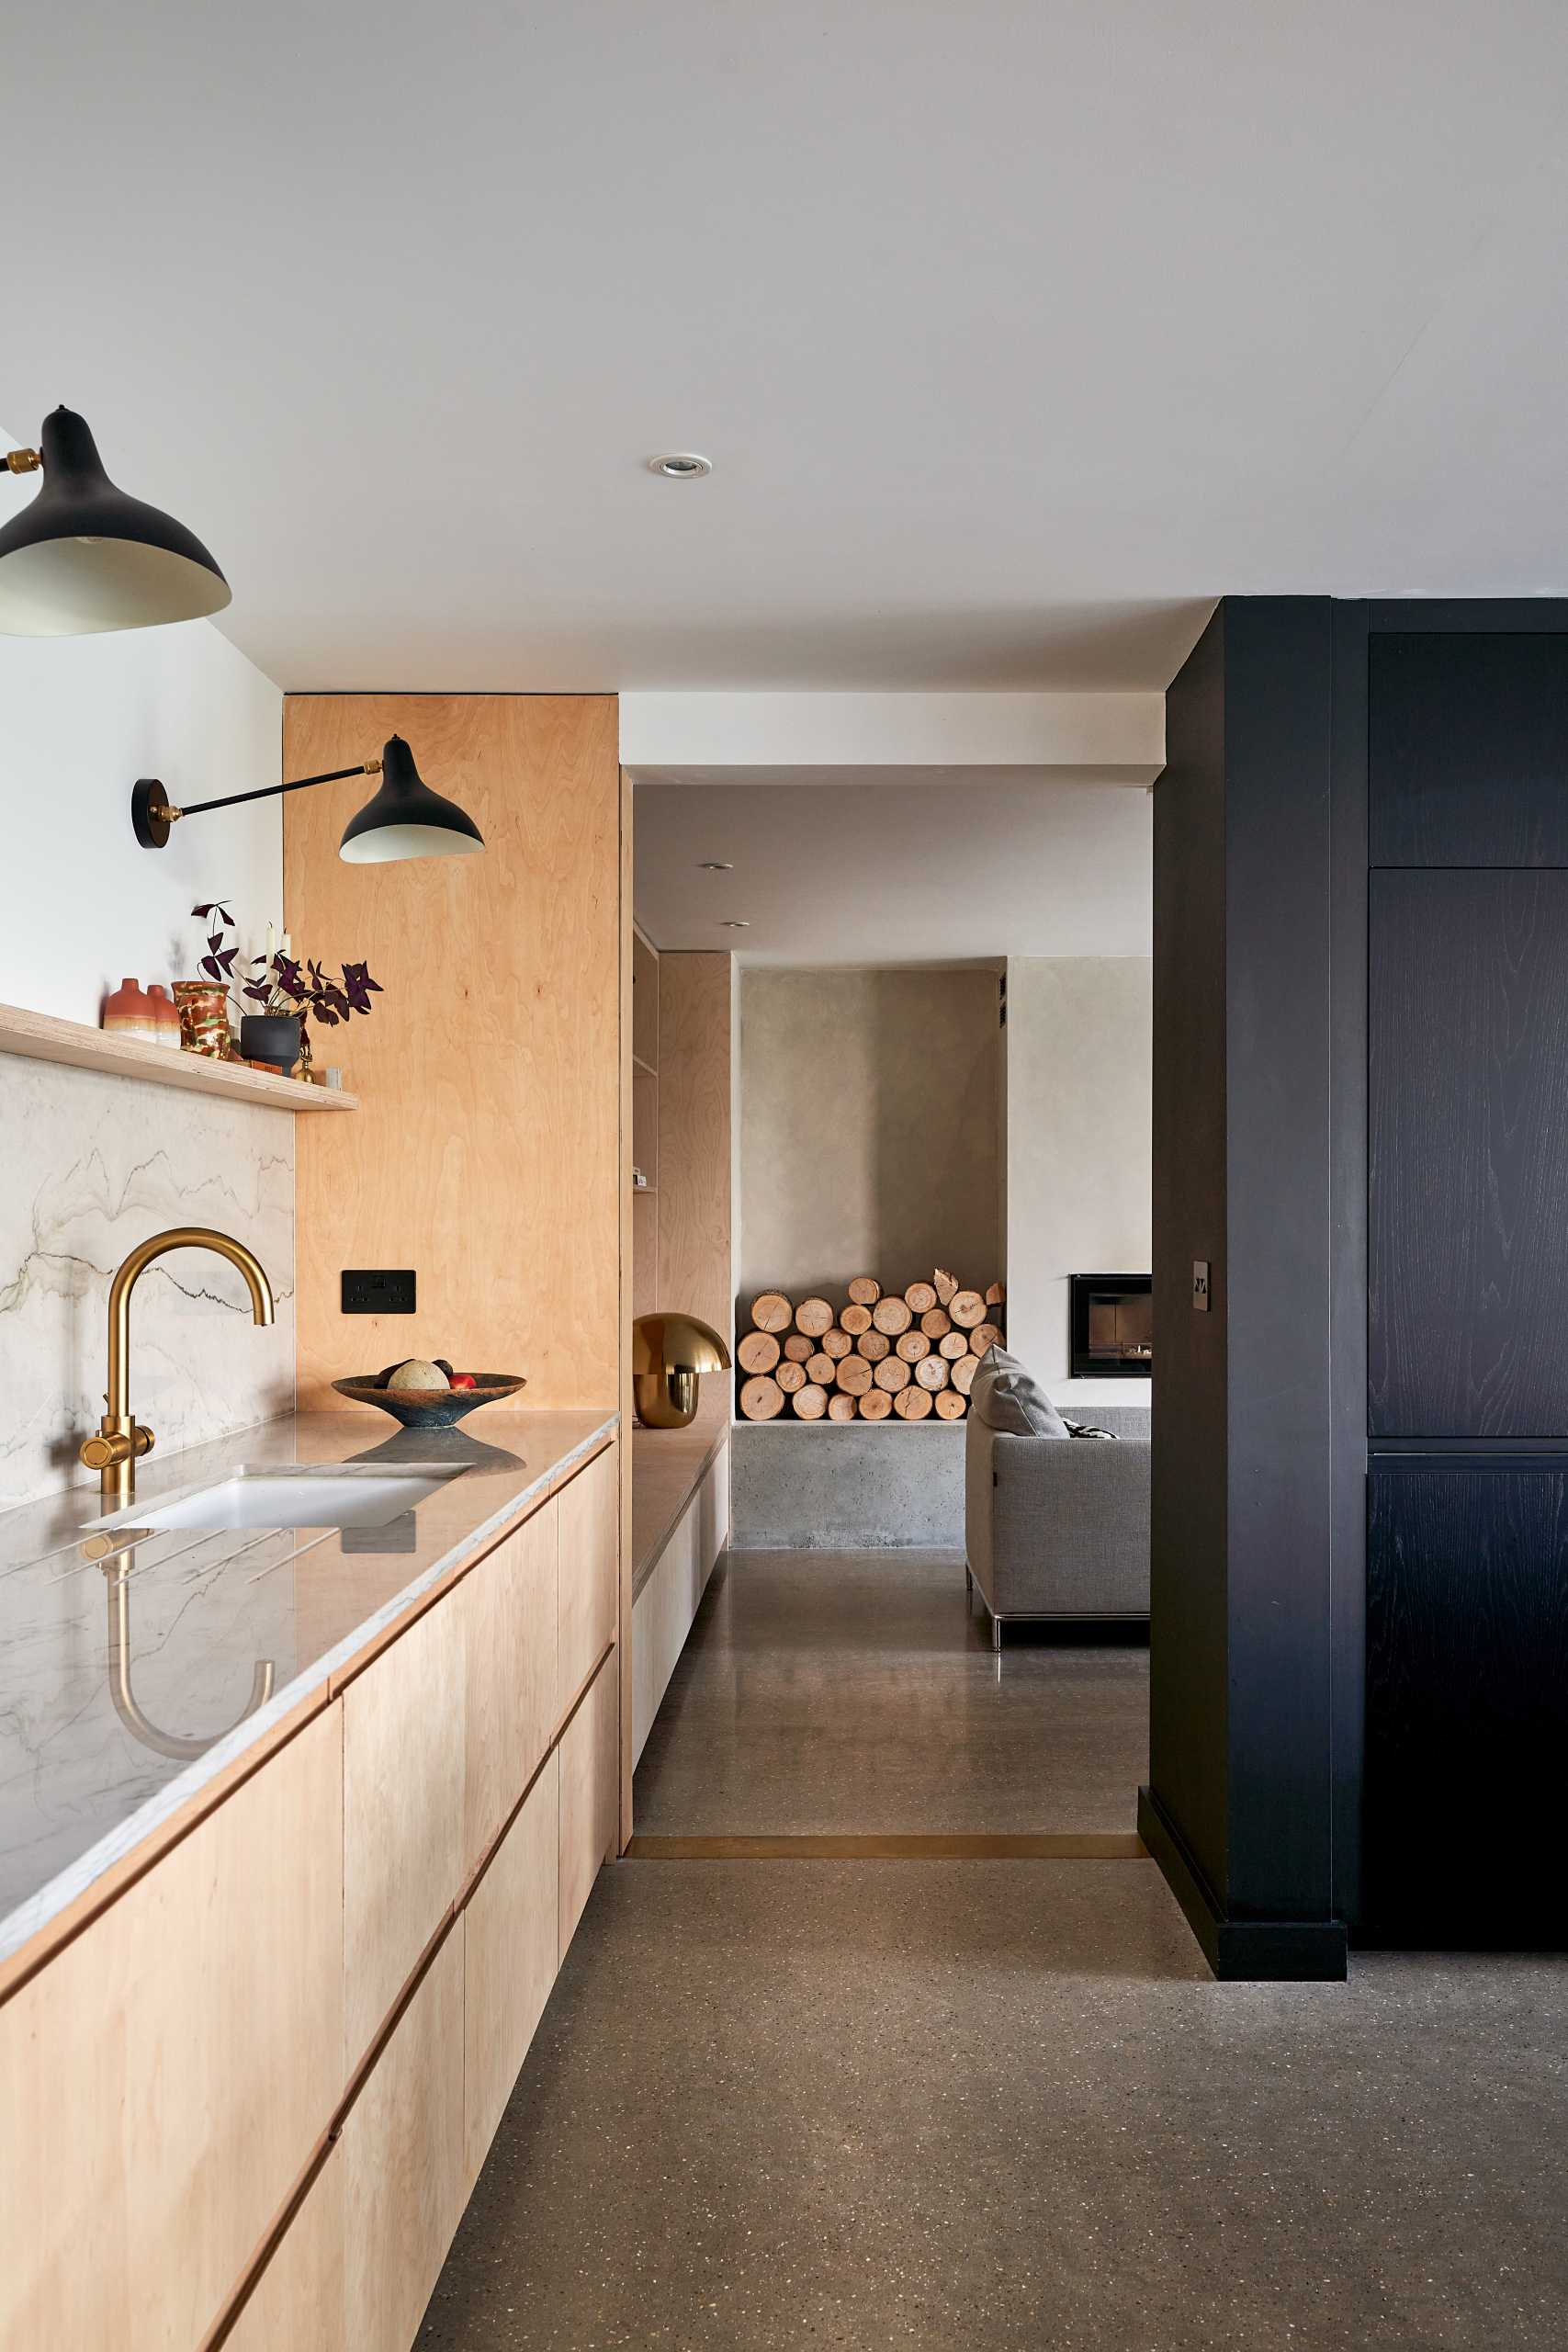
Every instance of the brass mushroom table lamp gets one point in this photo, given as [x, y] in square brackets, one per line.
[670, 1354]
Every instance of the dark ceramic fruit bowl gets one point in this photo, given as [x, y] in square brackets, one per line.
[433, 1408]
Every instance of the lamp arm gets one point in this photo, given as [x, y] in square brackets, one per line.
[22, 461]
[271, 791]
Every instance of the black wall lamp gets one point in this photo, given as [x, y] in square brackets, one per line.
[404, 820]
[84, 556]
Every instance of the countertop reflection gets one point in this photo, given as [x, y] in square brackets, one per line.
[134, 1667]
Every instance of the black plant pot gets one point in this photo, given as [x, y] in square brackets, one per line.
[270, 1037]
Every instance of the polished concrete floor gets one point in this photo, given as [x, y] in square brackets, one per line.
[984, 2104]
[859, 1690]
[1000, 2106]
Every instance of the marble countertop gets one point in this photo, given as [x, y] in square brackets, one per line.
[85, 1775]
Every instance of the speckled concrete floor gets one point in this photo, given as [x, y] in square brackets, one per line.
[859, 1690]
[1000, 2105]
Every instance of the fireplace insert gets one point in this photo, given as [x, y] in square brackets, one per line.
[1112, 1325]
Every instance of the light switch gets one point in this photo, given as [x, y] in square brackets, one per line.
[1199, 1285]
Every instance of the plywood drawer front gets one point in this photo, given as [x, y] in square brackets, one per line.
[509, 1708]
[298, 2301]
[589, 1507]
[402, 2156]
[590, 1794]
[166, 2077]
[511, 1945]
[402, 1858]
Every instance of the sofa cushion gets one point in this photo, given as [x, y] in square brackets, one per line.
[1007, 1396]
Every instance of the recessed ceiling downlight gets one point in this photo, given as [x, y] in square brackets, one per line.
[733, 925]
[681, 465]
[716, 865]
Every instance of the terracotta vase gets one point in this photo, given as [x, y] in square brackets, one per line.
[129, 1012]
[165, 1019]
[204, 1019]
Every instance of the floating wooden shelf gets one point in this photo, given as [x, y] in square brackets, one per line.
[41, 1037]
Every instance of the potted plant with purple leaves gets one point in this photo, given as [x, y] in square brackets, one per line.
[284, 991]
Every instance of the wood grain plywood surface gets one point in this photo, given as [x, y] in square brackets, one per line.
[694, 1016]
[486, 1154]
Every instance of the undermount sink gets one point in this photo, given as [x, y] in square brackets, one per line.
[263, 1497]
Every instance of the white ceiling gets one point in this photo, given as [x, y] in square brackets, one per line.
[1016, 330]
[900, 871]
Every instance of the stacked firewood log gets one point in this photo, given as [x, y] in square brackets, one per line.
[882, 1354]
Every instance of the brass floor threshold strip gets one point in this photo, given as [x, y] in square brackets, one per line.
[960, 1846]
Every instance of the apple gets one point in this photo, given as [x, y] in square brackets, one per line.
[463, 1380]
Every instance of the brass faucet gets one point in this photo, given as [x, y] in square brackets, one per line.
[122, 1440]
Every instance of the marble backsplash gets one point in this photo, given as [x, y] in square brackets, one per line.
[89, 1166]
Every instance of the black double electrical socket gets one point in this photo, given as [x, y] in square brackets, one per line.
[378, 1290]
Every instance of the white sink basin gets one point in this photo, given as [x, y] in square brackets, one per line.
[263, 1497]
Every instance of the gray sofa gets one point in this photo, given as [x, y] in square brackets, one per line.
[1059, 1527]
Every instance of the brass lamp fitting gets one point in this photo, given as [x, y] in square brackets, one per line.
[670, 1354]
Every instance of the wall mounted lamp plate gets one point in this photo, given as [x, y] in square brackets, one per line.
[84, 556]
[403, 820]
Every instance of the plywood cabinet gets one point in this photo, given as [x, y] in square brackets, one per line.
[589, 1795]
[589, 1511]
[510, 1953]
[166, 2077]
[402, 2156]
[403, 1770]
[298, 2301]
[401, 1877]
[510, 1707]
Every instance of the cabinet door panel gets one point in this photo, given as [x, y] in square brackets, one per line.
[298, 2301]
[509, 1605]
[589, 1507]
[175, 2066]
[1468, 748]
[1467, 1701]
[402, 2156]
[590, 1794]
[402, 1858]
[510, 1949]
[1468, 1155]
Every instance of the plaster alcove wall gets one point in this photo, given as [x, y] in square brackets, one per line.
[889, 1121]
[868, 1127]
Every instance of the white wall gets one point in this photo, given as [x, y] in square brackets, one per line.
[81, 906]
[91, 1164]
[1079, 1064]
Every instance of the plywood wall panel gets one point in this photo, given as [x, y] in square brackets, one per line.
[486, 1152]
[695, 1003]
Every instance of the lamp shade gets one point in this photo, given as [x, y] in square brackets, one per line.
[676, 1343]
[406, 818]
[670, 1354]
[83, 557]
